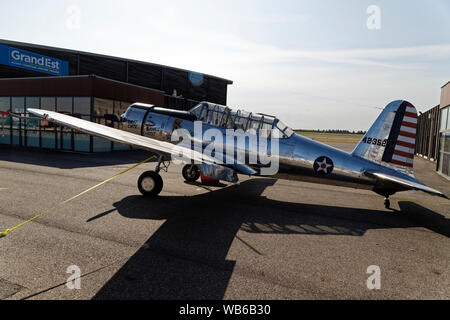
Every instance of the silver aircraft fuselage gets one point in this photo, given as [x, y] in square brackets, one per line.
[297, 163]
[298, 155]
[220, 143]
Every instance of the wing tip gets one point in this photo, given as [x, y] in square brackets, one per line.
[36, 112]
[444, 196]
[435, 192]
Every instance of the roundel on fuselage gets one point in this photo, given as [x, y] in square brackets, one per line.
[323, 166]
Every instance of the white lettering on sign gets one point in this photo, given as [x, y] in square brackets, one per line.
[46, 62]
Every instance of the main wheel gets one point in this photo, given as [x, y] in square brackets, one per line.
[150, 184]
[387, 203]
[191, 173]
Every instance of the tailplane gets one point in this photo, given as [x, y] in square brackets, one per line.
[391, 140]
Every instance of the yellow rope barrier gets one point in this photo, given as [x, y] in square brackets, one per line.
[7, 231]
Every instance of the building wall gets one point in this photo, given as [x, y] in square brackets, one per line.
[80, 86]
[86, 97]
[94, 87]
[164, 78]
[445, 95]
[433, 133]
[444, 133]
[45, 135]
[428, 134]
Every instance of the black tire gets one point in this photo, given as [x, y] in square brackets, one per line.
[150, 184]
[387, 204]
[191, 173]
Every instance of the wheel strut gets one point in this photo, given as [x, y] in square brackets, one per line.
[387, 203]
[162, 165]
[158, 165]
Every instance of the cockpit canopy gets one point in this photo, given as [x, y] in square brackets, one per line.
[224, 117]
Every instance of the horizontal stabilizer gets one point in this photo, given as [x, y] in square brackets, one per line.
[402, 184]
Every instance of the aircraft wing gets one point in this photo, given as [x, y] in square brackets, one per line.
[127, 138]
[396, 182]
[131, 139]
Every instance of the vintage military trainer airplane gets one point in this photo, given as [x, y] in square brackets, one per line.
[382, 161]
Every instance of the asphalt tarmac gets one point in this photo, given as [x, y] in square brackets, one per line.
[261, 239]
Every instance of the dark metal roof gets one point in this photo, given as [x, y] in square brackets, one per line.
[31, 45]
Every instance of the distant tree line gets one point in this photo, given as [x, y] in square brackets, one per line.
[334, 131]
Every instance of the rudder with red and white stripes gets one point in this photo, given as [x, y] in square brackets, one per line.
[391, 140]
[402, 139]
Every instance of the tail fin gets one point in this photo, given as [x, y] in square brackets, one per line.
[392, 138]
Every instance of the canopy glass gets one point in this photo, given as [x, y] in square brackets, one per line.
[224, 117]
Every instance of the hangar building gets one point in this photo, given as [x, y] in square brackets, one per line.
[433, 133]
[90, 86]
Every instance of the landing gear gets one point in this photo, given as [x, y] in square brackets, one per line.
[191, 173]
[150, 183]
[387, 203]
[386, 193]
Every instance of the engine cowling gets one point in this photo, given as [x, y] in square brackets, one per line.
[133, 118]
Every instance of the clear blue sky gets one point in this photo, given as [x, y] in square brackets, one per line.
[313, 63]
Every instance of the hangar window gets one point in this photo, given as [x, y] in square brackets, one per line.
[82, 106]
[32, 102]
[64, 105]
[48, 135]
[48, 103]
[444, 118]
[444, 143]
[17, 106]
[5, 105]
[102, 107]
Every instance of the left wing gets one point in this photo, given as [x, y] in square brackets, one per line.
[127, 138]
[146, 143]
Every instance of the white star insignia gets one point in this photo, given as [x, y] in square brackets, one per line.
[323, 166]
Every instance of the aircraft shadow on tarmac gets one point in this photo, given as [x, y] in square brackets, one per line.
[186, 257]
[70, 160]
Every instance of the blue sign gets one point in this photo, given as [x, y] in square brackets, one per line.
[18, 58]
[195, 78]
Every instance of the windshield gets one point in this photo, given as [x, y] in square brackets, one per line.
[224, 117]
[285, 131]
